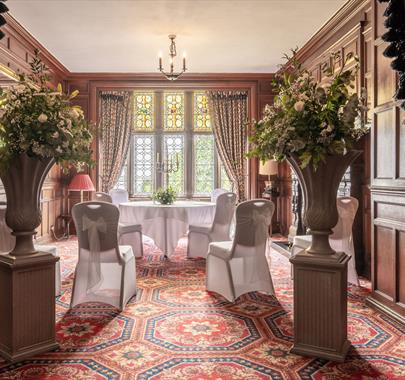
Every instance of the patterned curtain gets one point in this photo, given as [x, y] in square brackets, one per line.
[229, 112]
[115, 129]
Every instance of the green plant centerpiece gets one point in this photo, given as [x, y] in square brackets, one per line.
[38, 127]
[315, 127]
[164, 196]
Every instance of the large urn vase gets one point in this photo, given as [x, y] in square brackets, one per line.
[23, 181]
[320, 273]
[320, 189]
[27, 294]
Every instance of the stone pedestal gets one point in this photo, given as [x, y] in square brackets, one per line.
[320, 305]
[27, 305]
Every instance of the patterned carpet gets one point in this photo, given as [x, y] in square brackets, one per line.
[175, 330]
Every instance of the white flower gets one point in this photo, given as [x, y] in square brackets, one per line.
[55, 135]
[74, 114]
[19, 88]
[59, 149]
[299, 106]
[42, 118]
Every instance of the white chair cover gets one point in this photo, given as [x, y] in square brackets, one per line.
[105, 271]
[200, 236]
[240, 266]
[102, 197]
[341, 239]
[216, 193]
[128, 234]
[119, 196]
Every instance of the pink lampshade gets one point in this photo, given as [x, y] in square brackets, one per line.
[81, 182]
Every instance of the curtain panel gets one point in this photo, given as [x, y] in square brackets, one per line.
[115, 131]
[229, 110]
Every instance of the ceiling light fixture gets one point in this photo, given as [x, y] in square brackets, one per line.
[171, 75]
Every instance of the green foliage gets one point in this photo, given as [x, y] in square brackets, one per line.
[165, 197]
[39, 121]
[310, 119]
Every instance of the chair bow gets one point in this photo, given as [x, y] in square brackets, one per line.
[93, 228]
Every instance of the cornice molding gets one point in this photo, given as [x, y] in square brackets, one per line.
[18, 31]
[348, 11]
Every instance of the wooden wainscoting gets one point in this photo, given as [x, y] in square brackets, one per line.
[387, 181]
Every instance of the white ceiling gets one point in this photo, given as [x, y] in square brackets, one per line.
[127, 35]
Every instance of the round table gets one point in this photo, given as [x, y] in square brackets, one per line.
[166, 224]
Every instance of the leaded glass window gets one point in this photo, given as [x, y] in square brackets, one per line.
[174, 111]
[143, 167]
[143, 112]
[204, 164]
[202, 121]
[175, 126]
[173, 148]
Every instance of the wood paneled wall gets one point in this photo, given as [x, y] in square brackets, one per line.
[379, 174]
[16, 51]
[387, 179]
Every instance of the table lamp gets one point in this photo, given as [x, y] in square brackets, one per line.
[81, 182]
[270, 168]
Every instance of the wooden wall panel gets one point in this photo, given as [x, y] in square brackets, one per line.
[384, 145]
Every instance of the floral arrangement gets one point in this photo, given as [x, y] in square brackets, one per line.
[165, 197]
[39, 121]
[310, 119]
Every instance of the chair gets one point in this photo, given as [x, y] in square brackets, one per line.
[216, 193]
[128, 234]
[240, 266]
[199, 236]
[119, 196]
[341, 239]
[102, 197]
[105, 271]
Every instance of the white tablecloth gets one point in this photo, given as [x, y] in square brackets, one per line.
[166, 224]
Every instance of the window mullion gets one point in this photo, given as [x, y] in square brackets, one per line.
[188, 148]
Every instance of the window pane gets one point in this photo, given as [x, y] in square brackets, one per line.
[122, 182]
[174, 111]
[173, 149]
[202, 121]
[143, 112]
[143, 164]
[203, 164]
[226, 183]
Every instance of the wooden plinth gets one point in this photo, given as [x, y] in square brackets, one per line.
[320, 306]
[27, 305]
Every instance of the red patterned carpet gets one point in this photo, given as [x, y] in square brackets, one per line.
[175, 330]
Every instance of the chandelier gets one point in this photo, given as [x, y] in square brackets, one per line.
[172, 75]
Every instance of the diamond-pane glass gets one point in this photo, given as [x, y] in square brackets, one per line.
[174, 111]
[204, 166]
[202, 121]
[173, 149]
[122, 182]
[226, 183]
[143, 168]
[143, 114]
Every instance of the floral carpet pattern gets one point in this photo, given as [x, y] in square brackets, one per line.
[173, 330]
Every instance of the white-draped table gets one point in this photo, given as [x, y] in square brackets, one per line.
[166, 224]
